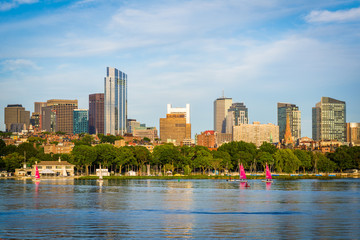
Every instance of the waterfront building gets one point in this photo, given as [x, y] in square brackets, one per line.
[353, 134]
[58, 115]
[16, 118]
[221, 107]
[81, 121]
[291, 112]
[328, 120]
[206, 139]
[54, 168]
[256, 133]
[96, 113]
[115, 102]
[237, 114]
[175, 127]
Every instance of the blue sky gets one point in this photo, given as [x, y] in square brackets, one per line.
[258, 52]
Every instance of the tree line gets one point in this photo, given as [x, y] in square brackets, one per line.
[184, 159]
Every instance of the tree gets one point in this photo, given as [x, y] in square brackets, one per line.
[202, 159]
[343, 159]
[285, 160]
[268, 147]
[106, 154]
[84, 156]
[2, 147]
[225, 159]
[166, 154]
[304, 158]
[28, 149]
[324, 164]
[13, 161]
[124, 156]
[142, 155]
[265, 157]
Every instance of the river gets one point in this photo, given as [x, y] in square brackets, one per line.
[70, 208]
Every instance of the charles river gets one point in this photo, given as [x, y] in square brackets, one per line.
[70, 208]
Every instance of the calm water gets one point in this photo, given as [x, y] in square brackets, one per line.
[305, 209]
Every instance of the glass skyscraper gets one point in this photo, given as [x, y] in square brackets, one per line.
[81, 121]
[237, 114]
[328, 120]
[115, 102]
[291, 110]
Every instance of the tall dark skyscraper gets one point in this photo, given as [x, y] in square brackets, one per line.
[292, 111]
[328, 120]
[115, 102]
[96, 113]
[237, 114]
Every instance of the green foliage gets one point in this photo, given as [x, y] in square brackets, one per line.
[324, 164]
[286, 161]
[60, 133]
[84, 156]
[265, 157]
[124, 156]
[85, 140]
[28, 149]
[13, 161]
[305, 159]
[268, 147]
[245, 152]
[109, 138]
[106, 153]
[146, 139]
[2, 147]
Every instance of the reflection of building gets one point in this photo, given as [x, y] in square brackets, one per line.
[55, 168]
[96, 113]
[58, 115]
[16, 118]
[328, 120]
[353, 133]
[80, 121]
[294, 114]
[115, 102]
[256, 133]
[176, 126]
[206, 139]
[237, 114]
[221, 107]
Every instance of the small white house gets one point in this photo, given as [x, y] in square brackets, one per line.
[131, 173]
[104, 172]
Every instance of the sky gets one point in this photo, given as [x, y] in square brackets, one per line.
[258, 52]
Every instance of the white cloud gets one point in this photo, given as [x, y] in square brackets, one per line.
[335, 16]
[8, 5]
[12, 65]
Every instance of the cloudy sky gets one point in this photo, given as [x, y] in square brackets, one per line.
[259, 52]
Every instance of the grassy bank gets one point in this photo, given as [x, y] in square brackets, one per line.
[280, 177]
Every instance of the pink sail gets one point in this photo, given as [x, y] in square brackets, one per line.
[37, 175]
[242, 172]
[268, 173]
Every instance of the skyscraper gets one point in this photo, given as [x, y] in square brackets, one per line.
[294, 114]
[81, 121]
[115, 102]
[176, 126]
[16, 118]
[58, 115]
[221, 107]
[237, 114]
[96, 113]
[328, 120]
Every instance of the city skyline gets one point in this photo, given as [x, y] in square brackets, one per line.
[259, 53]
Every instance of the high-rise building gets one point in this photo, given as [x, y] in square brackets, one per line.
[328, 120]
[37, 113]
[221, 107]
[58, 115]
[96, 113]
[115, 102]
[237, 114]
[81, 121]
[353, 133]
[185, 110]
[132, 124]
[292, 111]
[175, 127]
[16, 118]
[256, 133]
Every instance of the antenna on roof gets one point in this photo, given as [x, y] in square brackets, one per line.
[223, 93]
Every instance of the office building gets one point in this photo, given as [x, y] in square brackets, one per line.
[221, 107]
[35, 120]
[37, 113]
[16, 118]
[185, 110]
[237, 114]
[206, 139]
[353, 134]
[328, 120]
[291, 111]
[115, 102]
[175, 127]
[256, 133]
[96, 113]
[132, 124]
[81, 121]
[148, 132]
[58, 115]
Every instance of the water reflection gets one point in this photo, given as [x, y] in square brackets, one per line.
[186, 209]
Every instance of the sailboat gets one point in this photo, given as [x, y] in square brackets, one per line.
[37, 174]
[100, 175]
[242, 173]
[268, 175]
